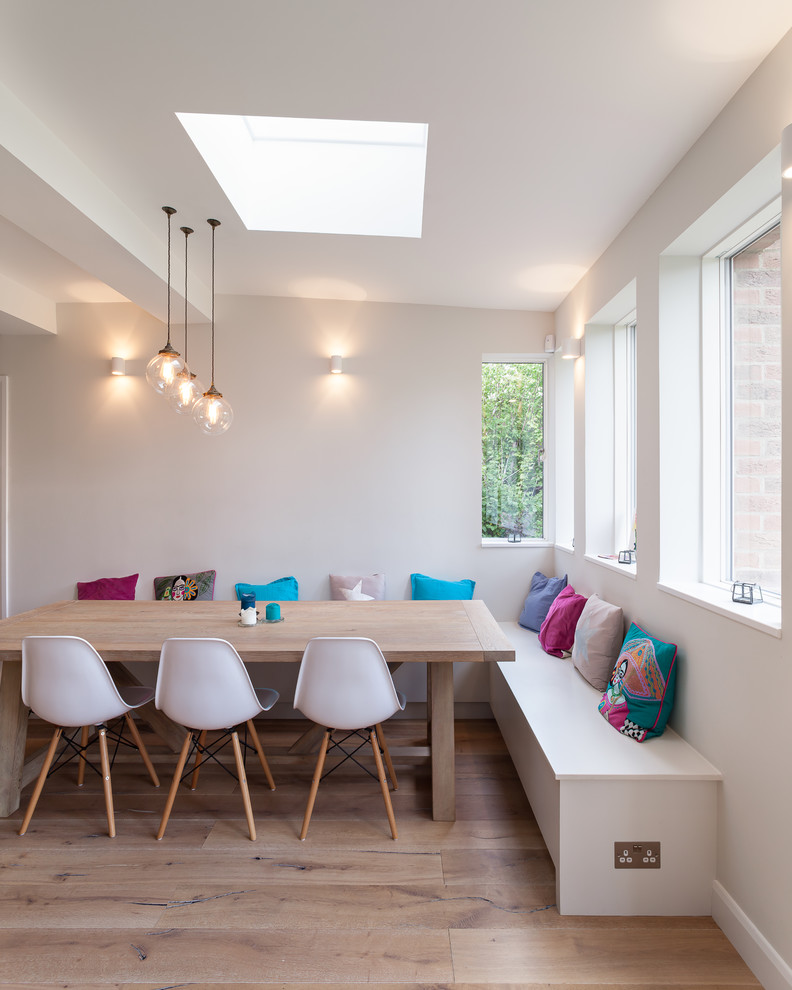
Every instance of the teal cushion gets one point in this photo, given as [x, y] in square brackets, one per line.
[429, 588]
[640, 694]
[282, 590]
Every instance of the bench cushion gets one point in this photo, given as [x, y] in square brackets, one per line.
[598, 638]
[541, 595]
[640, 695]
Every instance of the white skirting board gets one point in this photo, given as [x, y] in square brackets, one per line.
[759, 955]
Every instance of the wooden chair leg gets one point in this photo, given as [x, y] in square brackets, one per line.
[133, 731]
[261, 756]
[315, 784]
[175, 784]
[387, 757]
[40, 782]
[243, 785]
[198, 760]
[82, 760]
[383, 783]
[108, 790]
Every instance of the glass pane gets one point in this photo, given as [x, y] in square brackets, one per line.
[512, 435]
[756, 413]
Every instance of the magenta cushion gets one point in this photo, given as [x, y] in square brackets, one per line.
[108, 589]
[557, 633]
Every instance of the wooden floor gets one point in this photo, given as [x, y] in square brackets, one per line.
[466, 904]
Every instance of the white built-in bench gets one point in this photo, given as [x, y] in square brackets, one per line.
[591, 787]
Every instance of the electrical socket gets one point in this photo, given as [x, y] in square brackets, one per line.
[636, 855]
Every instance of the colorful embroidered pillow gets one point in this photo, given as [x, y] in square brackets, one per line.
[543, 592]
[434, 589]
[598, 638]
[197, 587]
[372, 585]
[283, 590]
[557, 633]
[108, 589]
[640, 695]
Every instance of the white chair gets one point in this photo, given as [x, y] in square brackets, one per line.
[66, 682]
[203, 685]
[344, 684]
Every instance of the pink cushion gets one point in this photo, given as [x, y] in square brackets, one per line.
[108, 589]
[557, 633]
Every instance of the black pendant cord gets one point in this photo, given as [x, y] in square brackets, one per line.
[170, 211]
[186, 231]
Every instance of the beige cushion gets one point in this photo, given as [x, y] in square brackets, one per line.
[372, 585]
[598, 638]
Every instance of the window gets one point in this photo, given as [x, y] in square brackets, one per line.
[751, 411]
[513, 493]
[720, 393]
[611, 445]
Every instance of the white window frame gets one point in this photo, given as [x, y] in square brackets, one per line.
[717, 342]
[548, 506]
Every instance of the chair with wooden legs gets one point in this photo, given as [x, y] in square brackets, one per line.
[66, 682]
[344, 685]
[203, 685]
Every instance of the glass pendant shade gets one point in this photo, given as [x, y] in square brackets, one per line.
[212, 413]
[185, 391]
[167, 363]
[162, 369]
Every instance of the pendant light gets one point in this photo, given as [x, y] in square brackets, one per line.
[185, 389]
[164, 366]
[212, 412]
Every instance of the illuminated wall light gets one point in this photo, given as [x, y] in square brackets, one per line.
[336, 365]
[117, 366]
[787, 173]
[570, 348]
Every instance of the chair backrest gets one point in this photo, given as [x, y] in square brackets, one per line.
[203, 684]
[66, 682]
[344, 683]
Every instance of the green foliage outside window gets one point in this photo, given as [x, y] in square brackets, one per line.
[512, 440]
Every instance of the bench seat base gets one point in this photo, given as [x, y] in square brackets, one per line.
[590, 790]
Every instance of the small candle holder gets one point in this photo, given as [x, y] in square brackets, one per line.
[514, 537]
[745, 593]
[626, 556]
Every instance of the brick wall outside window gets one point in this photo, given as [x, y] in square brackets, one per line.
[756, 412]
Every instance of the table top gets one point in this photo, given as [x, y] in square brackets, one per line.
[406, 631]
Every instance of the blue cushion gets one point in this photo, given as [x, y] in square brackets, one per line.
[429, 588]
[282, 590]
[542, 594]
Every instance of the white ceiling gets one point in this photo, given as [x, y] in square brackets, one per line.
[550, 123]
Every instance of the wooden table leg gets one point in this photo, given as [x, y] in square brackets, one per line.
[13, 732]
[440, 715]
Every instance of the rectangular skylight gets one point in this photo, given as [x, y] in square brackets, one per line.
[317, 176]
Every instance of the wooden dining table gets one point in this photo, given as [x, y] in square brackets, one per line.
[435, 632]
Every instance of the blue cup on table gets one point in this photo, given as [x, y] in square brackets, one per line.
[272, 612]
[247, 599]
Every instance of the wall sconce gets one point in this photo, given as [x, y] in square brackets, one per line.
[117, 366]
[570, 348]
[336, 365]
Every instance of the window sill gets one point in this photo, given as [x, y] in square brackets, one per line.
[565, 548]
[628, 570]
[764, 617]
[493, 541]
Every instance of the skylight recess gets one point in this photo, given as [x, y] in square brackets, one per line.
[317, 176]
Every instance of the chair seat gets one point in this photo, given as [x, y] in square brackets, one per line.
[136, 695]
[266, 697]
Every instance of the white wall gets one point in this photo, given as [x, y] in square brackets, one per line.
[734, 683]
[374, 470]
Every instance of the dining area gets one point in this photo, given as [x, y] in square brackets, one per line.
[208, 640]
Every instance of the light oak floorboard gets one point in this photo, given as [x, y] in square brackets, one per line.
[584, 956]
[467, 905]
